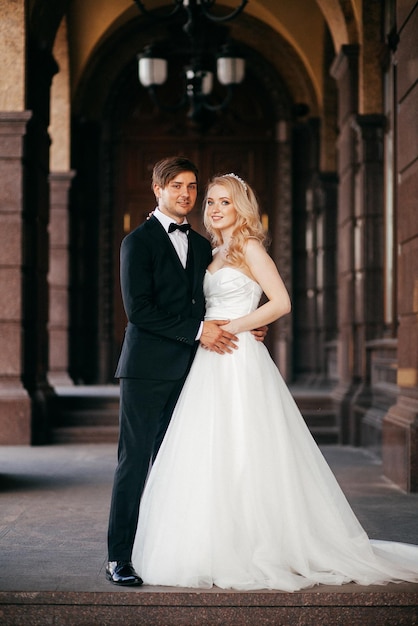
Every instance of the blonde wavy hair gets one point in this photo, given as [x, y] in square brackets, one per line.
[248, 224]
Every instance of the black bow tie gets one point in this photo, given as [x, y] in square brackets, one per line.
[183, 227]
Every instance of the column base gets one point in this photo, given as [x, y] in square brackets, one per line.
[400, 443]
[59, 379]
[15, 417]
[349, 428]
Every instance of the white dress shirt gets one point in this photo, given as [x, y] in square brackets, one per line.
[179, 240]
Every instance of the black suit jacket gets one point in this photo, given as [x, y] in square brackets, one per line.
[163, 306]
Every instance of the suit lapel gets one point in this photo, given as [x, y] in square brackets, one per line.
[190, 263]
[196, 258]
[164, 243]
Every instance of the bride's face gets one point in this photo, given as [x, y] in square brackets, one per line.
[219, 208]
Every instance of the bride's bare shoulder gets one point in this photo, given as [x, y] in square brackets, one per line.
[254, 248]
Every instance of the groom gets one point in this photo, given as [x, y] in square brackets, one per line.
[163, 263]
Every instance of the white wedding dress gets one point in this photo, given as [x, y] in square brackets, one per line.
[240, 495]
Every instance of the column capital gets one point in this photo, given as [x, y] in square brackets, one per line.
[368, 121]
[13, 126]
[370, 134]
[347, 55]
[62, 177]
[14, 122]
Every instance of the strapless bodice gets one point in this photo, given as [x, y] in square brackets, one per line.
[230, 294]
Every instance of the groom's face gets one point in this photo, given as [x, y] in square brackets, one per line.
[178, 197]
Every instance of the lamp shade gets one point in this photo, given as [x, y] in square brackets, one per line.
[230, 70]
[207, 82]
[152, 71]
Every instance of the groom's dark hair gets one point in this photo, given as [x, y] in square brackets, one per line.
[167, 169]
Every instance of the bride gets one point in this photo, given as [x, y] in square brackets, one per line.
[240, 495]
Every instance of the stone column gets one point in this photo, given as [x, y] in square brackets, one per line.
[281, 231]
[305, 171]
[41, 68]
[15, 404]
[368, 321]
[325, 203]
[400, 428]
[400, 425]
[58, 279]
[345, 71]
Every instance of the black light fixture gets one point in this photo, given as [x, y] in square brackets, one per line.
[206, 49]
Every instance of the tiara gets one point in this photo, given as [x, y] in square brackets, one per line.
[236, 178]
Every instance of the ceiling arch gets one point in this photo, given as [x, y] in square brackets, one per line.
[342, 19]
[88, 26]
[104, 67]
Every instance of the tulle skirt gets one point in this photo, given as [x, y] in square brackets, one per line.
[241, 497]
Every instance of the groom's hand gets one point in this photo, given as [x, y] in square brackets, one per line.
[214, 338]
[260, 333]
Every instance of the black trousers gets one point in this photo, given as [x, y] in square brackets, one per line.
[145, 411]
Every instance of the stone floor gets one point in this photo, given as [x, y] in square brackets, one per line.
[54, 503]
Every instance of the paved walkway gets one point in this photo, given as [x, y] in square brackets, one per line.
[54, 504]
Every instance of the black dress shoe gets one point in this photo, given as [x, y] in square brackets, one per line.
[122, 573]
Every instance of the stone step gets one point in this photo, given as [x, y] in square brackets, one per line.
[320, 606]
[90, 415]
[67, 417]
[318, 410]
[312, 400]
[86, 415]
[85, 434]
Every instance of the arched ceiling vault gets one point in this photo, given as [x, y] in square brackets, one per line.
[131, 37]
[90, 21]
[342, 20]
[279, 37]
